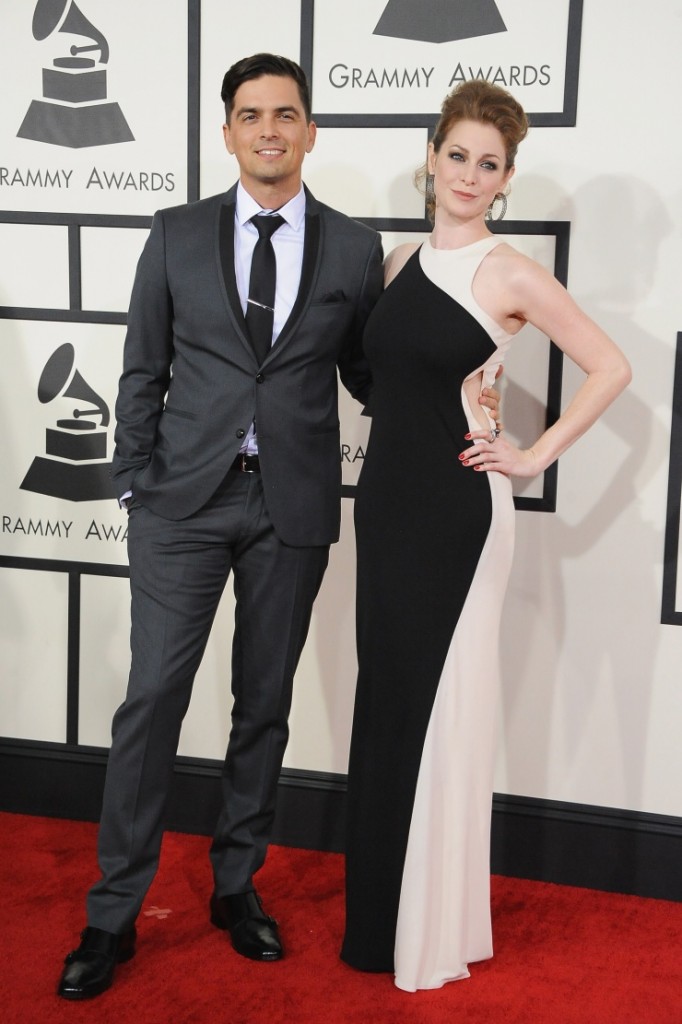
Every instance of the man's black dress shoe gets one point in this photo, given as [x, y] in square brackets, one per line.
[90, 969]
[253, 933]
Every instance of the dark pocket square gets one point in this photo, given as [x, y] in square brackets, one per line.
[337, 296]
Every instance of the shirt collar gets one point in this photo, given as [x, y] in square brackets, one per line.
[293, 211]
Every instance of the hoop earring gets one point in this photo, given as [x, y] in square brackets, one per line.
[489, 212]
[429, 189]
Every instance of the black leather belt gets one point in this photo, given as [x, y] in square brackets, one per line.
[246, 463]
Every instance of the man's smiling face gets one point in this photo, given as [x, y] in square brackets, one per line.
[269, 135]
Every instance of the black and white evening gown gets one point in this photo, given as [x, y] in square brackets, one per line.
[434, 543]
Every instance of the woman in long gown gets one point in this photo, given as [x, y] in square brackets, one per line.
[435, 529]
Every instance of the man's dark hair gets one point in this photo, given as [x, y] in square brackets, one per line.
[257, 66]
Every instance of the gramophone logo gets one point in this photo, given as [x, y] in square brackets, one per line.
[439, 21]
[74, 111]
[74, 466]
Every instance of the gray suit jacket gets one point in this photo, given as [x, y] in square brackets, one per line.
[191, 384]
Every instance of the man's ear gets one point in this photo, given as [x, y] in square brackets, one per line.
[228, 139]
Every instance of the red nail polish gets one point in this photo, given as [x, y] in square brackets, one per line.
[465, 462]
[467, 437]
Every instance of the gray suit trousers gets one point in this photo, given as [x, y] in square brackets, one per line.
[178, 570]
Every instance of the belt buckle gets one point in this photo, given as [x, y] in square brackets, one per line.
[244, 467]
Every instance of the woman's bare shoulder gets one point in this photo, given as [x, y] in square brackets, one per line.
[397, 258]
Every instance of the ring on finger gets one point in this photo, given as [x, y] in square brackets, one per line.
[494, 434]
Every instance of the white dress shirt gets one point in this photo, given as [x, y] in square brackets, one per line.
[287, 242]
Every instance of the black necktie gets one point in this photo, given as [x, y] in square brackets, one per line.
[260, 307]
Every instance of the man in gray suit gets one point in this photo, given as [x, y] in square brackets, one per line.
[228, 461]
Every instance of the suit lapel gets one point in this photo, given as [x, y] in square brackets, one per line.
[225, 246]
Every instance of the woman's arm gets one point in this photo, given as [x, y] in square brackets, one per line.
[532, 294]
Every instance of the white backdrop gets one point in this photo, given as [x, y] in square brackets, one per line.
[591, 703]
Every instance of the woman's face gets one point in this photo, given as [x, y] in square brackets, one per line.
[469, 170]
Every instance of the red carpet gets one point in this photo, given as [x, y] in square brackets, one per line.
[562, 955]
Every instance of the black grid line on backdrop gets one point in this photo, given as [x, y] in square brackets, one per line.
[671, 615]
